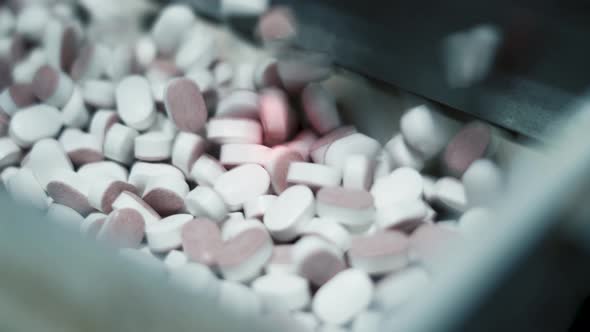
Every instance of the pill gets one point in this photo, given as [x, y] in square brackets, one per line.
[238, 185]
[475, 221]
[238, 104]
[90, 62]
[204, 201]
[230, 130]
[64, 216]
[163, 125]
[15, 97]
[379, 253]
[450, 193]
[99, 93]
[343, 297]
[82, 148]
[23, 187]
[426, 130]
[430, 242]
[257, 206]
[135, 104]
[235, 154]
[266, 74]
[313, 175]
[52, 87]
[74, 113]
[243, 77]
[101, 122]
[306, 321]
[31, 21]
[428, 190]
[45, 158]
[317, 260]
[320, 109]
[4, 124]
[402, 155]
[353, 208]
[105, 189]
[357, 172]
[367, 321]
[165, 194]
[403, 184]
[185, 105]
[406, 215]
[142, 171]
[10, 153]
[153, 146]
[206, 170]
[243, 257]
[297, 69]
[400, 287]
[162, 70]
[277, 166]
[383, 165]
[129, 200]
[320, 146]
[104, 169]
[198, 49]
[330, 230]
[302, 143]
[175, 259]
[119, 63]
[124, 228]
[61, 44]
[277, 25]
[197, 279]
[204, 80]
[92, 224]
[119, 143]
[34, 123]
[166, 234]
[145, 51]
[293, 208]
[223, 72]
[201, 240]
[281, 260]
[169, 27]
[474, 141]
[288, 289]
[356, 143]
[483, 183]
[24, 71]
[234, 226]
[278, 122]
[187, 148]
[238, 301]
[70, 189]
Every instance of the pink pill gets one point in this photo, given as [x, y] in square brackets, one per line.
[471, 143]
[380, 253]
[104, 191]
[185, 105]
[201, 240]
[71, 190]
[352, 207]
[52, 87]
[82, 148]
[278, 24]
[243, 257]
[124, 228]
[278, 166]
[278, 122]
[128, 199]
[166, 194]
[317, 260]
[430, 241]
[319, 147]
[15, 97]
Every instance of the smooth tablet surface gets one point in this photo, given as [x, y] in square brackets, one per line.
[239, 104]
[289, 290]
[119, 143]
[358, 171]
[187, 148]
[230, 130]
[400, 287]
[402, 155]
[351, 207]
[234, 154]
[379, 253]
[206, 170]
[165, 194]
[427, 131]
[185, 105]
[276, 118]
[313, 175]
[166, 234]
[243, 257]
[317, 260]
[153, 146]
[123, 228]
[291, 210]
[472, 142]
[135, 104]
[238, 185]
[204, 201]
[34, 123]
[277, 166]
[201, 240]
[403, 184]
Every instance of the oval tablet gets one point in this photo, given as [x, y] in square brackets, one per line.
[119, 143]
[278, 122]
[238, 104]
[187, 148]
[135, 104]
[289, 290]
[82, 148]
[105, 190]
[15, 97]
[185, 105]
[235, 154]
[402, 155]
[34, 123]
[70, 189]
[201, 240]
[403, 184]
[206, 170]
[313, 175]
[379, 253]
[472, 142]
[153, 146]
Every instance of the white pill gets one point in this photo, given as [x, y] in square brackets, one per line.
[119, 62]
[313, 175]
[34, 123]
[70, 189]
[239, 300]
[353, 208]
[281, 260]
[483, 183]
[223, 73]
[175, 259]
[243, 257]
[357, 172]
[403, 184]
[119, 142]
[145, 51]
[90, 63]
[302, 143]
[367, 321]
[292, 209]
[45, 158]
[343, 297]
[233, 227]
[475, 221]
[52, 86]
[165, 194]
[135, 104]
[188, 147]
[402, 155]
[383, 165]
[235, 154]
[307, 321]
[206, 170]
[64, 216]
[10, 153]
[74, 113]
[204, 201]
[320, 109]
[197, 279]
[400, 215]
[317, 259]
[357, 143]
[289, 290]
[101, 122]
[223, 131]
[24, 71]
[129, 200]
[61, 44]
[82, 148]
[428, 192]
[257, 206]
[241, 183]
[426, 130]
[379, 253]
[6, 173]
[318, 149]
[203, 79]
[450, 193]
[397, 289]
[198, 49]
[141, 172]
[166, 235]
[164, 125]
[170, 26]
[238, 104]
[104, 169]
[99, 93]
[105, 189]
[92, 224]
[23, 187]
[153, 146]
[330, 230]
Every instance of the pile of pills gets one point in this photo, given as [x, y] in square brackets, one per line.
[239, 180]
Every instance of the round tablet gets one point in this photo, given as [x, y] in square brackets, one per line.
[52, 87]
[104, 169]
[105, 190]
[290, 290]
[124, 228]
[313, 175]
[141, 172]
[317, 260]
[483, 183]
[153, 146]
[34, 123]
[292, 209]
[198, 49]
[230, 130]
[205, 201]
[243, 257]
[351, 207]
[403, 184]
[187, 148]
[119, 143]
[330, 230]
[278, 122]
[235, 154]
[320, 109]
[135, 104]
[185, 105]
[165, 194]
[166, 235]
[241, 183]
[238, 104]
[201, 240]
[206, 170]
[379, 253]
[170, 25]
[45, 158]
[472, 142]
[235, 226]
[343, 297]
